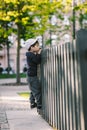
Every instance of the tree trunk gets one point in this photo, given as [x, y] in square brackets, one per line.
[8, 56]
[18, 57]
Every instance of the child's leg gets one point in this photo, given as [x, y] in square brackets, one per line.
[36, 90]
[32, 99]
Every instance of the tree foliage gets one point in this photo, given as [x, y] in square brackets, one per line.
[29, 19]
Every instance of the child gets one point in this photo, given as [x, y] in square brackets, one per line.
[33, 59]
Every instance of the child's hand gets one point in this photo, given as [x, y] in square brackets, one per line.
[39, 51]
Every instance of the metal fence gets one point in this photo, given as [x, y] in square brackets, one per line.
[62, 87]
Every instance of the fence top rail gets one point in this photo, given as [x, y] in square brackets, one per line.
[61, 44]
[53, 50]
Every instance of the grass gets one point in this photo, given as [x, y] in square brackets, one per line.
[4, 76]
[24, 94]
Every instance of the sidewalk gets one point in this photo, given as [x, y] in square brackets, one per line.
[15, 113]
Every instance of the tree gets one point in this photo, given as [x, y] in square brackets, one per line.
[5, 31]
[23, 14]
[14, 11]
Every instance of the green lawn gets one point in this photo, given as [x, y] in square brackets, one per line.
[4, 76]
[24, 94]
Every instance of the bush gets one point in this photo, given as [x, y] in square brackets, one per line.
[8, 69]
[1, 70]
[25, 69]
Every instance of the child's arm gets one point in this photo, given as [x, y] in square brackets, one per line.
[36, 58]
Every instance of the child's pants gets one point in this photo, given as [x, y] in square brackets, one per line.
[35, 89]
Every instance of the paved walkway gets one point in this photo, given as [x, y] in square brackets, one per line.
[15, 113]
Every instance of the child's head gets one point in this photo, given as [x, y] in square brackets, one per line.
[32, 45]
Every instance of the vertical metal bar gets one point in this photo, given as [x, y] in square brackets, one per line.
[73, 87]
[44, 88]
[69, 96]
[66, 89]
[50, 66]
[74, 20]
[77, 91]
[70, 88]
[53, 87]
[60, 75]
[47, 88]
[51, 83]
[58, 89]
[49, 97]
[47, 85]
[64, 67]
[64, 75]
[79, 108]
[42, 82]
[82, 125]
[63, 98]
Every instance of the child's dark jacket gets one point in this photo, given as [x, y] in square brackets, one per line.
[32, 61]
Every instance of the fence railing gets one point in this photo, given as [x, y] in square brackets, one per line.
[62, 87]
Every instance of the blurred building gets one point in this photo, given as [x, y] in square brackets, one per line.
[13, 57]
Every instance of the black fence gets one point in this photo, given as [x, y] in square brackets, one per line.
[62, 87]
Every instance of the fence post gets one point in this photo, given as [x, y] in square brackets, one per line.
[82, 46]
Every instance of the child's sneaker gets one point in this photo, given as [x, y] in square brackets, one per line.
[39, 110]
[33, 105]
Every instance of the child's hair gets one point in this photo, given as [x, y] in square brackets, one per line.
[33, 45]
